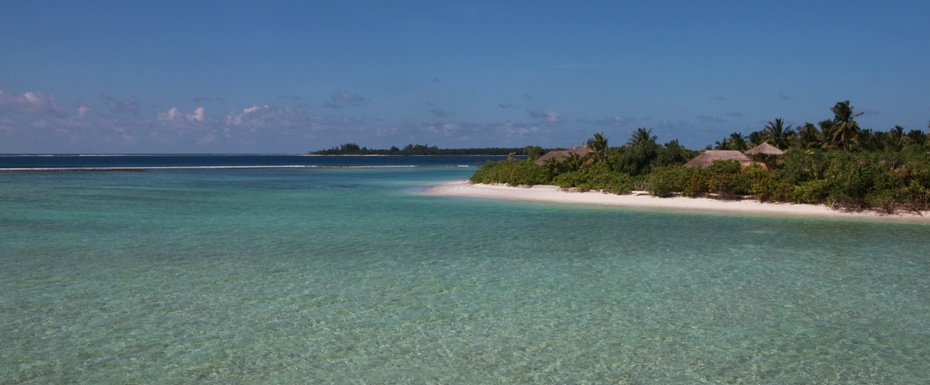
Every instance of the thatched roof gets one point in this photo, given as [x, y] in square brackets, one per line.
[765, 149]
[580, 150]
[709, 156]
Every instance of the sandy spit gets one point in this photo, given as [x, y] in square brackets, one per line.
[643, 200]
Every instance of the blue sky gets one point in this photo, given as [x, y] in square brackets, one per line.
[295, 76]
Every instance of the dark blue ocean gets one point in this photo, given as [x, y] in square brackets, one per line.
[341, 270]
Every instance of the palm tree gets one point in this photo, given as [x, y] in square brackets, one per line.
[571, 162]
[755, 138]
[534, 152]
[809, 136]
[779, 135]
[738, 142]
[639, 153]
[918, 137]
[895, 139]
[641, 137]
[826, 130]
[845, 127]
[598, 146]
[871, 141]
[672, 154]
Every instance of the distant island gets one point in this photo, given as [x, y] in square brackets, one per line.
[423, 149]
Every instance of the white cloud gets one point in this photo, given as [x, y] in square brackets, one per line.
[176, 118]
[238, 119]
[553, 117]
[6, 125]
[198, 115]
[343, 98]
[131, 106]
[264, 116]
[537, 113]
[173, 115]
[386, 131]
[611, 121]
[30, 102]
[442, 128]
[510, 129]
[253, 109]
[549, 116]
[347, 97]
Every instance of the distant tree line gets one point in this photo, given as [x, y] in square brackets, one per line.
[423, 149]
[836, 163]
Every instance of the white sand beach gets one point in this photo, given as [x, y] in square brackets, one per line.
[643, 200]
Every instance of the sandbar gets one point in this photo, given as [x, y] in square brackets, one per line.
[556, 194]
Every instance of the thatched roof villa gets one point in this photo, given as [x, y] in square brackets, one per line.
[580, 150]
[765, 149]
[709, 156]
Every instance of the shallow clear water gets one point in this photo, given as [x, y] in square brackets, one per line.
[352, 276]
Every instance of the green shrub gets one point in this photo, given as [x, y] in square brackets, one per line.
[810, 192]
[697, 183]
[527, 173]
[569, 179]
[757, 182]
[668, 180]
[850, 179]
[598, 176]
[511, 172]
[492, 172]
[883, 201]
[723, 178]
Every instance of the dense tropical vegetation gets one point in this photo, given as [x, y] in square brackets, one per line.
[835, 162]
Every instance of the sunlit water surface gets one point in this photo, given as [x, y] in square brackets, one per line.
[345, 276]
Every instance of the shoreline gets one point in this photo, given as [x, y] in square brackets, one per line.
[554, 194]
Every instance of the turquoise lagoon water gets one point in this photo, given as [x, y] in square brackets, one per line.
[353, 276]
